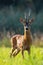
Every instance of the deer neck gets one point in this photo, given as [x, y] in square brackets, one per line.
[27, 34]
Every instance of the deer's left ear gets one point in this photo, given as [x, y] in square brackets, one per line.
[31, 20]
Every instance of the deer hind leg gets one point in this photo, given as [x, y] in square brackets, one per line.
[12, 50]
[16, 52]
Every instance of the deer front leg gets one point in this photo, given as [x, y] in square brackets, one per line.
[22, 53]
[16, 52]
[28, 51]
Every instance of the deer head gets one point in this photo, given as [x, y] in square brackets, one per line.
[26, 22]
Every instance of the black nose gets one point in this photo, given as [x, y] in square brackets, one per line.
[26, 28]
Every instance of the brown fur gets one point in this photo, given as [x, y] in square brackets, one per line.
[21, 43]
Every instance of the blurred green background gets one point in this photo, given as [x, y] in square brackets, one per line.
[10, 13]
[12, 10]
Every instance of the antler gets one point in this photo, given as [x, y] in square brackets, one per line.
[25, 15]
[29, 12]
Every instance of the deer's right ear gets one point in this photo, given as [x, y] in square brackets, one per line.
[31, 20]
[22, 21]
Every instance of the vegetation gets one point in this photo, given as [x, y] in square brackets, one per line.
[5, 42]
[35, 58]
[12, 10]
[10, 13]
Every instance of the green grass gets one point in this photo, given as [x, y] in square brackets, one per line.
[35, 58]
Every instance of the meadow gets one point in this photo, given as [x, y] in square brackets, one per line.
[35, 57]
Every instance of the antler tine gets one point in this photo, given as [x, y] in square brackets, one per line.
[25, 15]
[29, 12]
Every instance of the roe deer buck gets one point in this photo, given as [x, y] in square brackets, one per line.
[22, 42]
